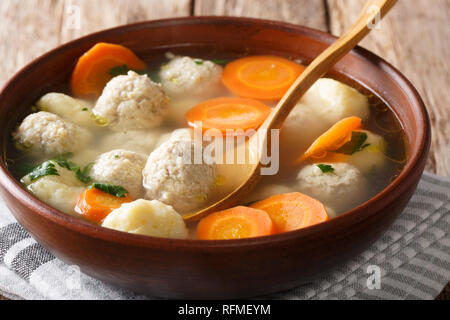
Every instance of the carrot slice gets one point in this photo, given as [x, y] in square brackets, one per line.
[228, 114]
[261, 77]
[92, 70]
[329, 157]
[95, 204]
[292, 211]
[235, 223]
[334, 138]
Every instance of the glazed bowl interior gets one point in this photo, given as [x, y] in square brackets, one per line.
[212, 37]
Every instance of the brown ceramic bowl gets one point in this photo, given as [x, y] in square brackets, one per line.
[215, 269]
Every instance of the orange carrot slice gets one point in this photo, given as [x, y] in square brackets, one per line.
[228, 114]
[92, 70]
[95, 204]
[261, 77]
[334, 138]
[292, 211]
[329, 157]
[235, 223]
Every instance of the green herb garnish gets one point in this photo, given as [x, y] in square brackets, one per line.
[198, 61]
[220, 61]
[45, 169]
[119, 70]
[117, 191]
[355, 144]
[123, 70]
[64, 163]
[24, 168]
[84, 109]
[325, 168]
[154, 76]
[81, 173]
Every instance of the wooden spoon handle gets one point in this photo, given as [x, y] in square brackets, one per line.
[373, 9]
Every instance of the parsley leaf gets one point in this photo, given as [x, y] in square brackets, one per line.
[24, 168]
[325, 168]
[198, 61]
[154, 76]
[117, 191]
[45, 169]
[81, 173]
[220, 61]
[355, 144]
[123, 70]
[119, 70]
[63, 163]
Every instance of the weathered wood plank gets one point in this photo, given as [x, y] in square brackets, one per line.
[30, 28]
[306, 12]
[101, 14]
[414, 37]
[26, 31]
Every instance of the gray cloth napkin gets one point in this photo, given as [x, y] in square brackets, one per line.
[410, 261]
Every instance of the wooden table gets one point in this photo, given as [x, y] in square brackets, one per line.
[415, 37]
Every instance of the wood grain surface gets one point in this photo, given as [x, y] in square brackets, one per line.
[415, 38]
[311, 13]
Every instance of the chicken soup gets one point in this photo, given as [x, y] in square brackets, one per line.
[119, 148]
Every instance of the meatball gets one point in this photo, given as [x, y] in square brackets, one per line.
[172, 176]
[178, 134]
[47, 133]
[341, 190]
[299, 131]
[122, 168]
[59, 191]
[332, 101]
[150, 218]
[74, 110]
[188, 77]
[132, 101]
[372, 158]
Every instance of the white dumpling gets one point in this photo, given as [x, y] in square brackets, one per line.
[150, 218]
[75, 110]
[299, 131]
[372, 158]
[59, 191]
[340, 190]
[332, 101]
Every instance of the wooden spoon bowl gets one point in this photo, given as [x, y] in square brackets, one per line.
[215, 269]
[241, 180]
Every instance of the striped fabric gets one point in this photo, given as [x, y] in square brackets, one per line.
[413, 260]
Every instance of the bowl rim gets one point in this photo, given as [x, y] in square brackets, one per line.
[363, 211]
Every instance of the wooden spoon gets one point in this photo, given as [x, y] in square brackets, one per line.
[239, 179]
